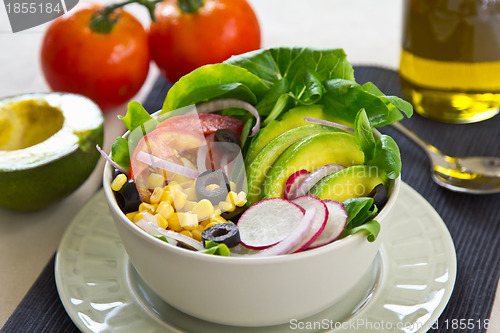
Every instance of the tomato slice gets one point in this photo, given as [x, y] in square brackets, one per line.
[172, 145]
[209, 123]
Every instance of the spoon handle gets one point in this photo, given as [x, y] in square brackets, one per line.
[427, 147]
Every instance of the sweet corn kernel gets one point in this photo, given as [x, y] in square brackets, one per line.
[232, 186]
[186, 233]
[232, 197]
[242, 197]
[151, 208]
[173, 185]
[138, 217]
[189, 205]
[188, 164]
[191, 193]
[197, 233]
[212, 187]
[174, 223]
[131, 216]
[217, 211]
[155, 180]
[161, 221]
[167, 195]
[187, 184]
[204, 209]
[188, 221]
[217, 219]
[211, 224]
[156, 196]
[118, 182]
[179, 199]
[226, 206]
[205, 222]
[165, 209]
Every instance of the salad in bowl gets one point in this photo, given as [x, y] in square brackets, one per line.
[261, 173]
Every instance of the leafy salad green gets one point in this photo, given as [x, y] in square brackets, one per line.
[278, 79]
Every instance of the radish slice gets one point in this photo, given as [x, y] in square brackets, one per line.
[166, 165]
[329, 123]
[268, 222]
[153, 229]
[335, 225]
[314, 177]
[294, 181]
[297, 234]
[309, 202]
[220, 104]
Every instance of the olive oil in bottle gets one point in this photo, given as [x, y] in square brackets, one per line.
[450, 60]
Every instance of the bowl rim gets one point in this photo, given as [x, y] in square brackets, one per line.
[243, 259]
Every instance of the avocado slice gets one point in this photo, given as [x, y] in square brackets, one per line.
[352, 182]
[311, 153]
[291, 119]
[258, 168]
[47, 147]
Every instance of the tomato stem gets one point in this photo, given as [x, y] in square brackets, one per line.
[103, 21]
[190, 6]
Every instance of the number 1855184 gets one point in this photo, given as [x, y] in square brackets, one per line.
[33, 8]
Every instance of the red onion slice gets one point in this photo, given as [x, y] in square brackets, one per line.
[329, 123]
[153, 229]
[220, 104]
[201, 158]
[110, 160]
[166, 165]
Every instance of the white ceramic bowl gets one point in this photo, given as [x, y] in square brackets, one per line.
[245, 291]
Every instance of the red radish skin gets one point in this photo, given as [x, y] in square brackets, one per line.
[310, 202]
[297, 234]
[268, 222]
[335, 225]
[313, 178]
[293, 181]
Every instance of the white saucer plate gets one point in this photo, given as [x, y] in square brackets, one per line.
[405, 290]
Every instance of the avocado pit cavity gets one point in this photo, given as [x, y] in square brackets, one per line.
[26, 123]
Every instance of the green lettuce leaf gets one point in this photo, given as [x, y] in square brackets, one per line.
[120, 152]
[214, 81]
[136, 116]
[364, 135]
[216, 249]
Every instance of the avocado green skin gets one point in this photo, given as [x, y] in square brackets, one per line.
[355, 181]
[309, 154]
[258, 168]
[43, 185]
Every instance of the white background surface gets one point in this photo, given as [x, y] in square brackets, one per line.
[369, 31]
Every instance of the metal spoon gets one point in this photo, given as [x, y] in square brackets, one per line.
[475, 175]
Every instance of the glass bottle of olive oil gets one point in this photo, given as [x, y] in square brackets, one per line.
[450, 59]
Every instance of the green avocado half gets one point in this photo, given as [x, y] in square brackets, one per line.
[309, 154]
[47, 147]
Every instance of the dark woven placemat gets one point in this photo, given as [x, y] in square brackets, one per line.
[473, 221]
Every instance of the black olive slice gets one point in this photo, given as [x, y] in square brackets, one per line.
[234, 216]
[227, 142]
[128, 198]
[379, 195]
[226, 233]
[212, 185]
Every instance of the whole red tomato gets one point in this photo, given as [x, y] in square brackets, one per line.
[108, 67]
[182, 41]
